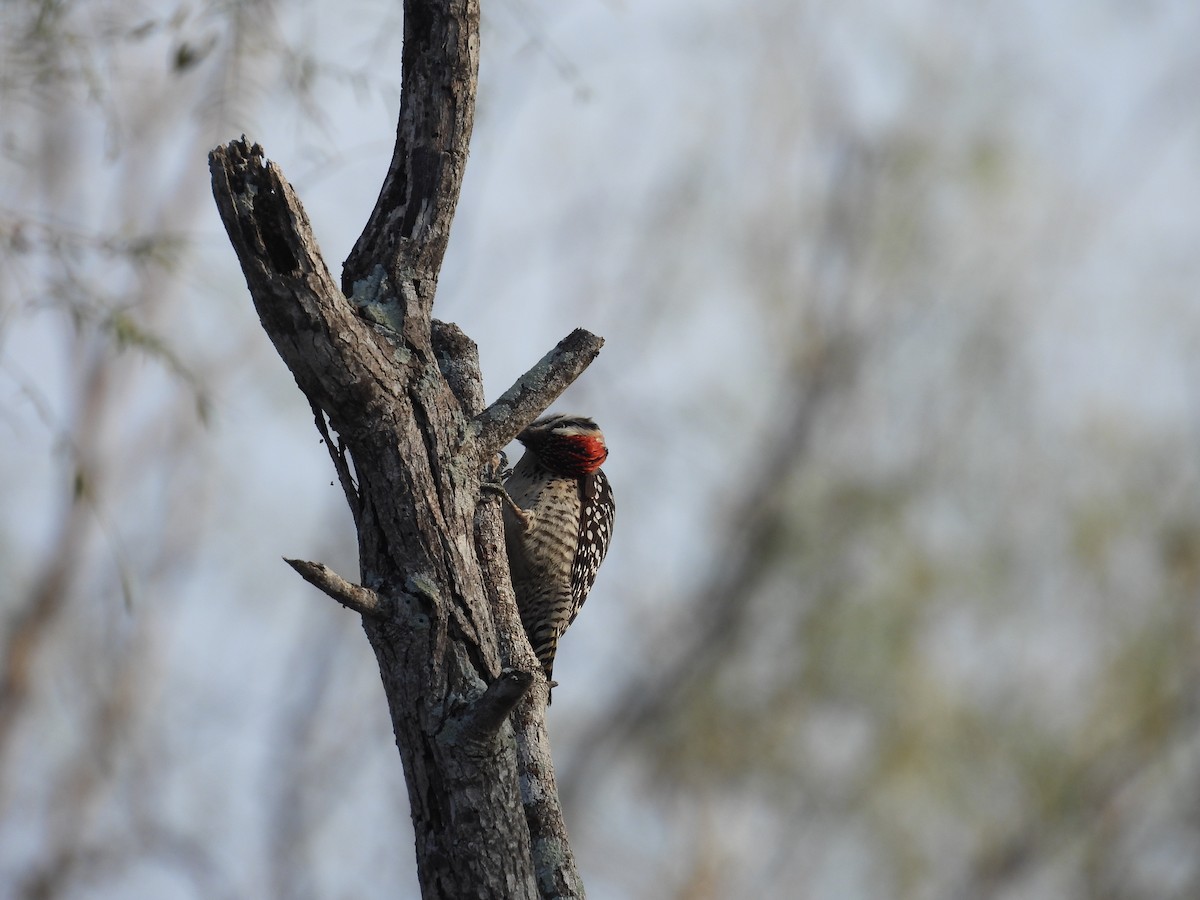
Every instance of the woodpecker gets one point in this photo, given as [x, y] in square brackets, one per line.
[558, 520]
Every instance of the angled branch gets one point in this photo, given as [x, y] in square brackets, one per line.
[268, 227]
[339, 361]
[409, 227]
[363, 601]
[534, 391]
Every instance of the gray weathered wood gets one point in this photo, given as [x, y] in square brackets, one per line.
[403, 393]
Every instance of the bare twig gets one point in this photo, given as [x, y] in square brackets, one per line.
[338, 455]
[363, 601]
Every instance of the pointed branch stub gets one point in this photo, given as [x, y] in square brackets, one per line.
[534, 391]
[363, 601]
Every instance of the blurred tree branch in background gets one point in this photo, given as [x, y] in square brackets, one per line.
[94, 263]
[908, 617]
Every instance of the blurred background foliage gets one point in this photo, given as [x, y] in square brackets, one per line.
[901, 389]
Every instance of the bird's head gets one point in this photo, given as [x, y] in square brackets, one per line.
[566, 444]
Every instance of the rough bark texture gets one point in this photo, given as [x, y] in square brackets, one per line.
[404, 395]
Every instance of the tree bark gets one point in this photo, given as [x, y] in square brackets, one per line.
[403, 393]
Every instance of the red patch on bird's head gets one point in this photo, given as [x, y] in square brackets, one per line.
[585, 453]
[573, 455]
[566, 445]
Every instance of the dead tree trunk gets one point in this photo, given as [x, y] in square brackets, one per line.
[403, 395]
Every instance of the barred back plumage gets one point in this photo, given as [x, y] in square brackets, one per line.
[560, 530]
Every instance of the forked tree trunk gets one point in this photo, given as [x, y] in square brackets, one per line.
[404, 397]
